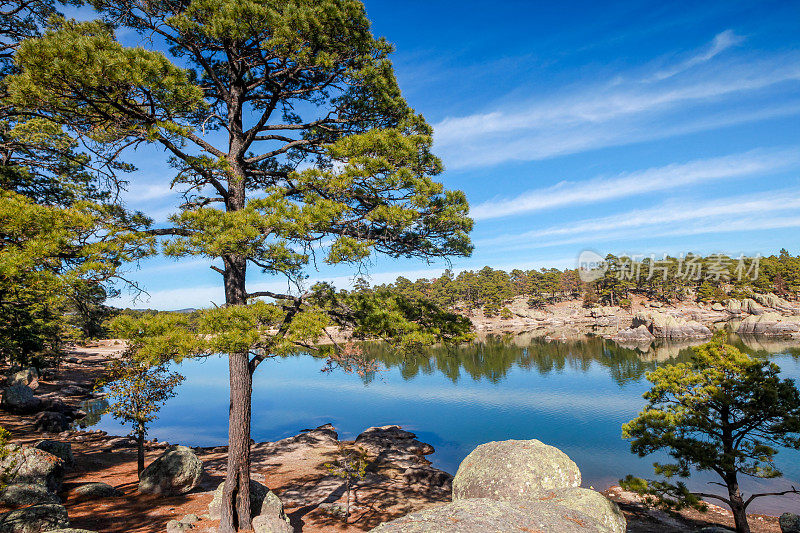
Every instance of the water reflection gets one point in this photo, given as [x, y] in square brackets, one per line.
[492, 357]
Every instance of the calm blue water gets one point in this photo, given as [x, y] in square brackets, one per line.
[572, 394]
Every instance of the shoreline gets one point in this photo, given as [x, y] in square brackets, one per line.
[290, 467]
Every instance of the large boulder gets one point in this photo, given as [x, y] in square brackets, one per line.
[666, 326]
[24, 494]
[34, 466]
[28, 377]
[790, 523]
[770, 323]
[734, 307]
[775, 302]
[33, 519]
[483, 515]
[177, 471]
[514, 469]
[589, 502]
[19, 398]
[62, 450]
[263, 502]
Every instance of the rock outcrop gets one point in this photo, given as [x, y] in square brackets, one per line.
[394, 447]
[752, 307]
[665, 326]
[775, 302]
[177, 471]
[34, 519]
[771, 324]
[51, 422]
[734, 307]
[516, 485]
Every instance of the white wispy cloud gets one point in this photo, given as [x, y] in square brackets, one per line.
[743, 213]
[755, 162]
[623, 110]
[722, 41]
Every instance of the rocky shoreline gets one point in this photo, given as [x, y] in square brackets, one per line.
[99, 491]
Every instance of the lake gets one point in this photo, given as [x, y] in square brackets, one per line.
[572, 393]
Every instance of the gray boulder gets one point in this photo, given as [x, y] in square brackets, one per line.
[790, 523]
[771, 324]
[593, 504]
[62, 450]
[35, 467]
[665, 326]
[484, 515]
[513, 470]
[33, 519]
[752, 307]
[177, 471]
[185, 524]
[775, 302]
[24, 494]
[734, 307]
[263, 502]
[95, 490]
[28, 377]
[716, 306]
[640, 333]
[19, 398]
[271, 524]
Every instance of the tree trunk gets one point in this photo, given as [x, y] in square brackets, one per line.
[347, 503]
[235, 505]
[140, 452]
[737, 507]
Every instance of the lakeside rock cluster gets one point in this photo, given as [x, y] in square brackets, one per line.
[516, 485]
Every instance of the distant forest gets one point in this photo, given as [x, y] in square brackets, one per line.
[711, 278]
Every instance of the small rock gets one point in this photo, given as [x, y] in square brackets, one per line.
[174, 526]
[33, 519]
[177, 471]
[790, 523]
[95, 490]
[24, 494]
[62, 450]
[19, 398]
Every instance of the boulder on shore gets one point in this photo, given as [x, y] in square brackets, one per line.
[752, 307]
[590, 503]
[665, 326]
[62, 450]
[19, 398]
[635, 335]
[771, 324]
[734, 307]
[51, 422]
[263, 502]
[177, 471]
[514, 469]
[483, 514]
[34, 466]
[33, 519]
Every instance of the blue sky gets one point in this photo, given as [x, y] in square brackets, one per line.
[627, 127]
